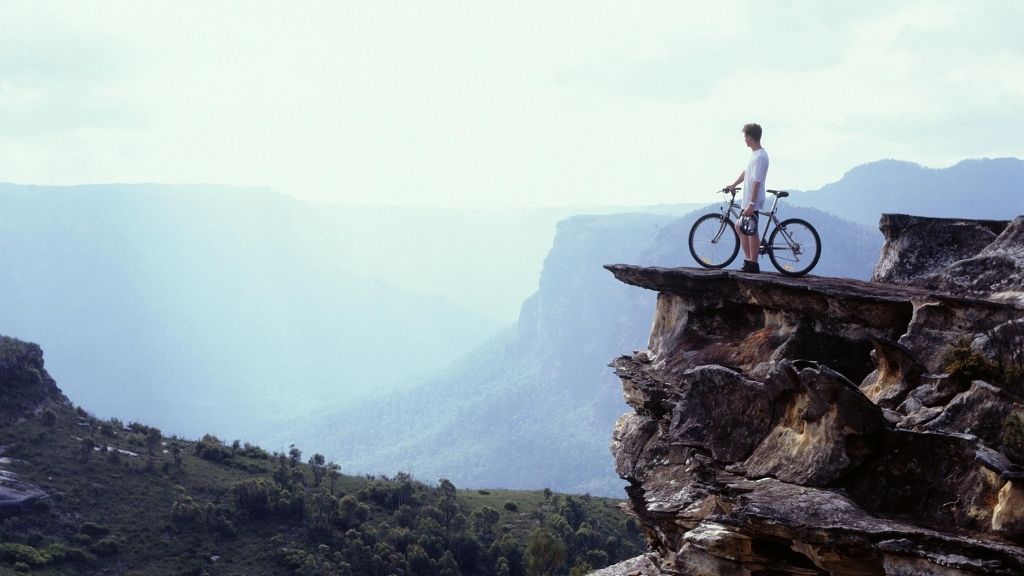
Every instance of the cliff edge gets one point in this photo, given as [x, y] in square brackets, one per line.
[832, 426]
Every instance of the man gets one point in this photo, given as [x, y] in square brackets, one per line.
[753, 195]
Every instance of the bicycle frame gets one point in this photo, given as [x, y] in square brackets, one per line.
[793, 245]
[735, 212]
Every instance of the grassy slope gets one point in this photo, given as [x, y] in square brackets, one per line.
[133, 500]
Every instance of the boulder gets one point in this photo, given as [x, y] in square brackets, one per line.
[918, 249]
[975, 258]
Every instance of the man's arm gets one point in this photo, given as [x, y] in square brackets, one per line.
[738, 180]
[755, 189]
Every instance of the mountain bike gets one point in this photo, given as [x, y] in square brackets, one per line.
[793, 245]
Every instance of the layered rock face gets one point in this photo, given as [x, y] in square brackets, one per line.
[982, 258]
[807, 426]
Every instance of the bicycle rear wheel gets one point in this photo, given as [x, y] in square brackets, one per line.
[794, 247]
[713, 241]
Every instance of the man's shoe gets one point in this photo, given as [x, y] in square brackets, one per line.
[746, 266]
[755, 268]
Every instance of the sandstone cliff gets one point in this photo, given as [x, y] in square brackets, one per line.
[833, 426]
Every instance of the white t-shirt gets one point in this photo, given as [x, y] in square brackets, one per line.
[757, 171]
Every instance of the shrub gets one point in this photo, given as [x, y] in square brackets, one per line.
[23, 554]
[211, 448]
[966, 364]
[49, 418]
[106, 547]
[94, 530]
[254, 452]
[253, 496]
[61, 553]
[1013, 435]
[511, 506]
[185, 510]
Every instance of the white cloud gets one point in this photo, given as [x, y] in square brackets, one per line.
[454, 103]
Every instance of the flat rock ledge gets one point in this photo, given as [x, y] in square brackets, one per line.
[639, 566]
[16, 495]
[803, 426]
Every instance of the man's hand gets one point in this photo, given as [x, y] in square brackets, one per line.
[748, 211]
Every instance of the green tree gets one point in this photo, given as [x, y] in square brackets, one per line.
[448, 505]
[49, 418]
[318, 464]
[447, 566]
[581, 568]
[153, 439]
[420, 564]
[545, 553]
[294, 455]
[333, 472]
[484, 520]
[510, 549]
[282, 475]
[253, 496]
[584, 539]
[446, 489]
[88, 445]
[176, 452]
[324, 513]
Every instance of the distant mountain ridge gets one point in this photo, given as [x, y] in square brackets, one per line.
[987, 189]
[257, 316]
[534, 407]
[208, 308]
[204, 306]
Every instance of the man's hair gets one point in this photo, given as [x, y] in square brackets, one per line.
[754, 131]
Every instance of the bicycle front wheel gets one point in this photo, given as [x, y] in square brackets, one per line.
[794, 247]
[713, 241]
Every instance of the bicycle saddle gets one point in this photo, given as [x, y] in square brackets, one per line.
[779, 193]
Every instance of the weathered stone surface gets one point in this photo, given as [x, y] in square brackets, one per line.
[16, 495]
[936, 390]
[819, 417]
[996, 272]
[940, 321]
[1004, 344]
[743, 321]
[1008, 515]
[897, 373]
[639, 566]
[979, 258]
[980, 411]
[750, 452]
[918, 249]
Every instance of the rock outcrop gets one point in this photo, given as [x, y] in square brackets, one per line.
[981, 258]
[25, 385]
[809, 426]
[16, 495]
[26, 389]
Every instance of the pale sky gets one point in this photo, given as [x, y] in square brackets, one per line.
[493, 104]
